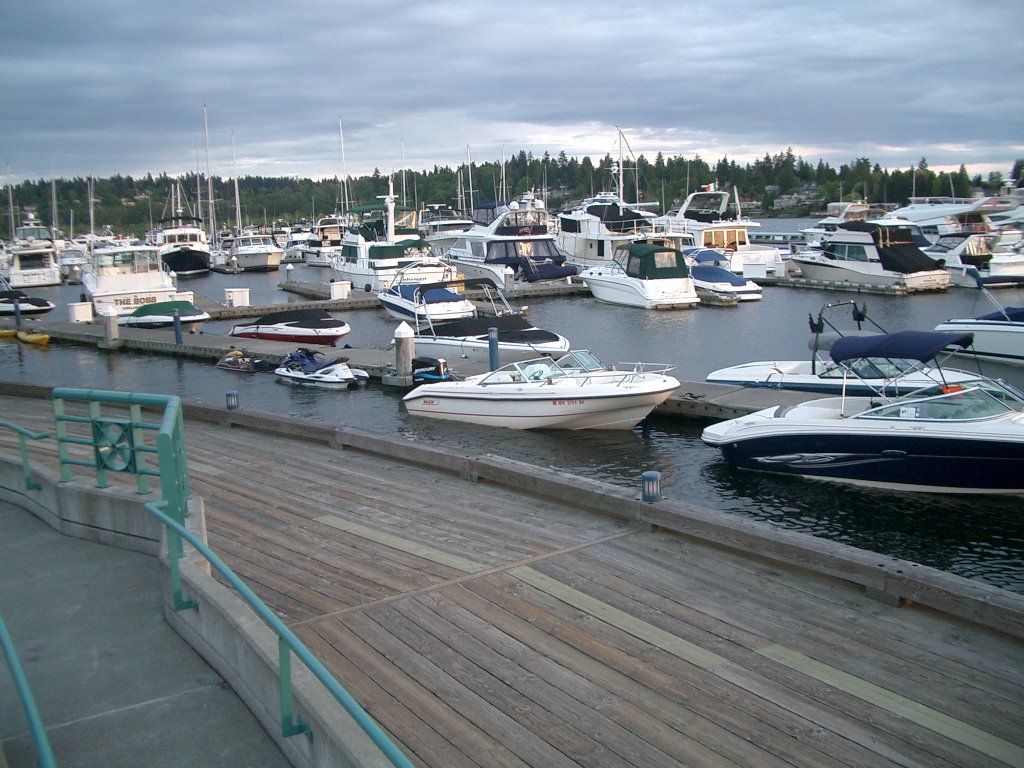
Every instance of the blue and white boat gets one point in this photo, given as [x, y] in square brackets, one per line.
[426, 302]
[945, 438]
[709, 271]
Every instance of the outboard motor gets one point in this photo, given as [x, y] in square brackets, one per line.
[426, 369]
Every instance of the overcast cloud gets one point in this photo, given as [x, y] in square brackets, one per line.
[103, 87]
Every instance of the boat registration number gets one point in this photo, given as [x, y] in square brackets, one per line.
[567, 402]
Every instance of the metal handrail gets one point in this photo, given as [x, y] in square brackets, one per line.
[44, 754]
[288, 643]
[26, 470]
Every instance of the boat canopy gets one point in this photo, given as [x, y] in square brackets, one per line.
[652, 262]
[897, 250]
[705, 255]
[905, 345]
[307, 318]
[1010, 314]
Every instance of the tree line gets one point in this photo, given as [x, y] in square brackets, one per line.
[134, 205]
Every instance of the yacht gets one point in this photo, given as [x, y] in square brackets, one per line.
[120, 280]
[836, 213]
[32, 256]
[325, 243]
[252, 252]
[590, 233]
[873, 253]
[509, 241]
[965, 252]
[440, 225]
[376, 248]
[705, 214]
[941, 215]
[184, 247]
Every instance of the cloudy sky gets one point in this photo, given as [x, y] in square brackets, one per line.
[102, 87]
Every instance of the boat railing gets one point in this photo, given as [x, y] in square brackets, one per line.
[118, 444]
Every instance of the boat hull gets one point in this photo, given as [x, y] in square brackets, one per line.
[997, 340]
[883, 459]
[645, 294]
[563, 408]
[297, 335]
[186, 262]
[847, 272]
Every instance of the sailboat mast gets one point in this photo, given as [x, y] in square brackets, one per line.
[209, 178]
[238, 205]
[344, 170]
[469, 166]
[10, 199]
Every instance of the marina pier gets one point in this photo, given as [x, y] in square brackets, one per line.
[491, 613]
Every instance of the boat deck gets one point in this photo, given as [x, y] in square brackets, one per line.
[485, 626]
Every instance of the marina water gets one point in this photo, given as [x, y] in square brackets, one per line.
[976, 537]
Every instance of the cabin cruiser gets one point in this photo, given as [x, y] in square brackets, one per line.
[184, 247]
[378, 247]
[303, 326]
[644, 275]
[873, 253]
[121, 279]
[252, 252]
[710, 274]
[32, 256]
[705, 215]
[508, 242]
[324, 244]
[590, 233]
[966, 437]
[440, 225]
[836, 214]
[937, 216]
[575, 392]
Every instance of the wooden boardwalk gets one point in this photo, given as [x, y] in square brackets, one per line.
[485, 627]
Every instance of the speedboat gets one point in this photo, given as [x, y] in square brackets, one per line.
[304, 326]
[161, 314]
[873, 253]
[998, 335]
[709, 273]
[575, 392]
[14, 301]
[123, 278]
[966, 252]
[945, 438]
[643, 275]
[426, 302]
[861, 376]
[305, 366]
[470, 338]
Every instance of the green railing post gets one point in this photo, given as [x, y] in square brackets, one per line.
[44, 754]
[26, 467]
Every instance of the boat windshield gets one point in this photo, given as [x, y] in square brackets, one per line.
[981, 399]
[874, 368]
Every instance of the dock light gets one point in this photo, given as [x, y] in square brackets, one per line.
[650, 484]
[232, 400]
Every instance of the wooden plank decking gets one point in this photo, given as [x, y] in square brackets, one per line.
[485, 627]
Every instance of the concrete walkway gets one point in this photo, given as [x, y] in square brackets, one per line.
[114, 683]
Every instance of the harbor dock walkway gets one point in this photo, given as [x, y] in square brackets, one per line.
[490, 613]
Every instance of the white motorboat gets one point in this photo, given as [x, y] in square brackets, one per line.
[306, 367]
[426, 302]
[14, 302]
[509, 241]
[122, 279]
[998, 335]
[946, 438]
[937, 216]
[320, 249]
[705, 215]
[72, 263]
[590, 233]
[296, 245]
[643, 275]
[470, 338]
[377, 248]
[575, 392]
[164, 314]
[709, 272]
[873, 253]
[252, 252]
[966, 252]
[32, 256]
[303, 326]
[440, 225]
[819, 373]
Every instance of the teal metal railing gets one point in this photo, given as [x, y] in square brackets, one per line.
[44, 754]
[26, 469]
[119, 444]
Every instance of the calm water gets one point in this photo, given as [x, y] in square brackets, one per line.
[974, 537]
